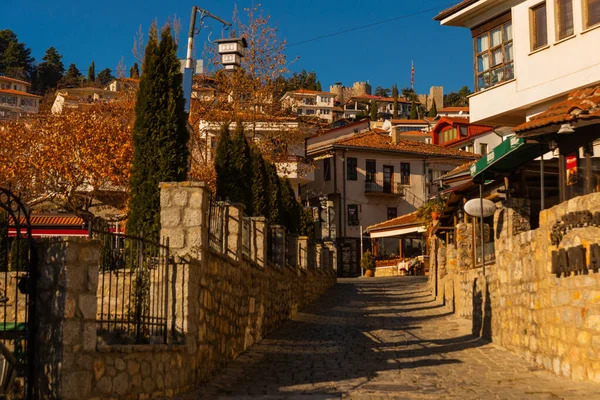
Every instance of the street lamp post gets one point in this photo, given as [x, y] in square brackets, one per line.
[231, 50]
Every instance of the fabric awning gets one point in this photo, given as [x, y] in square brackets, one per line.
[506, 157]
[398, 232]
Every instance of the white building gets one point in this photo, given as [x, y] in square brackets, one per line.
[15, 101]
[528, 54]
[311, 103]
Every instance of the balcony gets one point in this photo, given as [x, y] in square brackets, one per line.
[380, 186]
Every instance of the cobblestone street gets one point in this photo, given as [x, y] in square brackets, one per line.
[383, 338]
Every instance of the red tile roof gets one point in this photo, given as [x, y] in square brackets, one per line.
[373, 140]
[453, 109]
[54, 220]
[454, 9]
[461, 168]
[418, 133]
[410, 122]
[19, 93]
[403, 220]
[581, 104]
[306, 91]
[6, 78]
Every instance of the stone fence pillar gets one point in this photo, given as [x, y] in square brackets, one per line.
[303, 252]
[67, 304]
[184, 209]
[513, 218]
[233, 238]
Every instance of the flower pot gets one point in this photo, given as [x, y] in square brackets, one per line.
[369, 273]
[435, 215]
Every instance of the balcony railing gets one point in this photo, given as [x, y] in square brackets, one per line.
[385, 187]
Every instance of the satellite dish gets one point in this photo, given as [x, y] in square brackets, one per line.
[473, 208]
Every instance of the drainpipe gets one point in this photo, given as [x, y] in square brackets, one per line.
[481, 228]
[344, 169]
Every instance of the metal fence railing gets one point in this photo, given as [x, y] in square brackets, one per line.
[291, 250]
[312, 255]
[216, 225]
[137, 290]
[246, 236]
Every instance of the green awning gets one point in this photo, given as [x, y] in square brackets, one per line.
[505, 158]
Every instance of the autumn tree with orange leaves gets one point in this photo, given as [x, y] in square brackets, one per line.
[75, 160]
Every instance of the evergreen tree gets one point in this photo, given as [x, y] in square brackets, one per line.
[222, 164]
[49, 72]
[241, 163]
[91, 73]
[72, 77]
[105, 77]
[433, 110]
[291, 213]
[19, 254]
[273, 195]
[381, 91]
[134, 72]
[260, 184]
[414, 114]
[160, 134]
[3, 241]
[373, 110]
[307, 227]
[15, 58]
[395, 96]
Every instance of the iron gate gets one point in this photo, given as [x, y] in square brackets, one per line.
[18, 275]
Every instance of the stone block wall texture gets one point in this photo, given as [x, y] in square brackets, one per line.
[521, 305]
[227, 303]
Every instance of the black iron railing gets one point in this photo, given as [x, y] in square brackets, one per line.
[137, 288]
[291, 250]
[216, 224]
[246, 236]
[386, 187]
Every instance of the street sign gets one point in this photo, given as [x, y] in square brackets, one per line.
[473, 208]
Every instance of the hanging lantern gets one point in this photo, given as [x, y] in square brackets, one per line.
[232, 50]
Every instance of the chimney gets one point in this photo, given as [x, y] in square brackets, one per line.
[396, 136]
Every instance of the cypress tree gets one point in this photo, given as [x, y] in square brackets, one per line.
[373, 110]
[160, 134]
[19, 254]
[134, 72]
[91, 73]
[3, 241]
[307, 225]
[273, 195]
[395, 96]
[291, 214]
[260, 184]
[241, 163]
[413, 111]
[222, 164]
[433, 110]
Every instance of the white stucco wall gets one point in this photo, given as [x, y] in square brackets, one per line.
[545, 75]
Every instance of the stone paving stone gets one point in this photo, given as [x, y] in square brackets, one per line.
[383, 338]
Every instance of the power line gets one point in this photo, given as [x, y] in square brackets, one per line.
[370, 25]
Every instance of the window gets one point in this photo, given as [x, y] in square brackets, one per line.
[327, 169]
[564, 18]
[493, 53]
[371, 169]
[404, 173]
[353, 215]
[351, 168]
[483, 148]
[538, 26]
[464, 131]
[392, 212]
[591, 13]
[310, 112]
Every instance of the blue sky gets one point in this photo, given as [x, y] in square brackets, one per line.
[381, 54]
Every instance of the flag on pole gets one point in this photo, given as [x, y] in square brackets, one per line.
[412, 76]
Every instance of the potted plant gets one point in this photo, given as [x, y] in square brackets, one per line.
[430, 210]
[367, 263]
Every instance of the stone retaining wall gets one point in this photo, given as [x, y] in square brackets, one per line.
[227, 303]
[553, 321]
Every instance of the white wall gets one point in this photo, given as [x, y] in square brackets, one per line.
[547, 74]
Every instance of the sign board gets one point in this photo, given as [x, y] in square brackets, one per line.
[571, 160]
[473, 208]
[353, 215]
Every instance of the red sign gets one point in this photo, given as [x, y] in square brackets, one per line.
[571, 169]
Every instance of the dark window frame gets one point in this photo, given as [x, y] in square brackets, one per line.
[405, 173]
[565, 23]
[538, 26]
[352, 168]
[370, 173]
[392, 212]
[326, 169]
